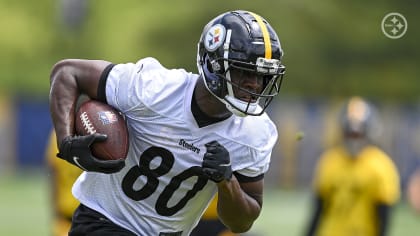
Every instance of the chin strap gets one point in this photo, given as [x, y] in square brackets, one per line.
[238, 107]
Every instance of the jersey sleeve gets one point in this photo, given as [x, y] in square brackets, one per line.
[144, 86]
[124, 85]
[259, 167]
[256, 162]
[388, 187]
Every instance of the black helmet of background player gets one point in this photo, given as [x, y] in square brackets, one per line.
[243, 41]
[359, 124]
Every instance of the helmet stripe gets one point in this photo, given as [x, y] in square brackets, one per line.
[266, 35]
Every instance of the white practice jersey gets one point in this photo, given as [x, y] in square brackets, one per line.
[160, 191]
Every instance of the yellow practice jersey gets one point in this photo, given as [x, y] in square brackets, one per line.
[62, 179]
[211, 211]
[351, 188]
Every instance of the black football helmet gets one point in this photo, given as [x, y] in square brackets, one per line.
[244, 41]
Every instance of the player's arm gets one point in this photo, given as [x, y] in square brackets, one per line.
[316, 216]
[383, 212]
[239, 204]
[69, 79]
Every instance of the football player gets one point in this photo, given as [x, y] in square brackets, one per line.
[191, 135]
[355, 183]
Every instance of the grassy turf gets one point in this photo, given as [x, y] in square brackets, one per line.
[286, 212]
[24, 205]
[24, 210]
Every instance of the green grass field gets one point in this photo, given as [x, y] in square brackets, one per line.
[25, 210]
[286, 213]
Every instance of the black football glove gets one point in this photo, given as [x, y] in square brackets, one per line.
[216, 162]
[76, 150]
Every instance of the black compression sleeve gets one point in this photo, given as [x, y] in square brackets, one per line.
[247, 179]
[102, 83]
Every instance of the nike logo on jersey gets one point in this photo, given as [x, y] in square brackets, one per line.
[141, 68]
[76, 161]
[189, 146]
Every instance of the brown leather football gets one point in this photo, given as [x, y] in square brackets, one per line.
[96, 117]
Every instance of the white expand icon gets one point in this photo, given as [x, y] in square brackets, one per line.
[394, 25]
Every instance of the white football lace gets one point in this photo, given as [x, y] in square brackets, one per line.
[87, 124]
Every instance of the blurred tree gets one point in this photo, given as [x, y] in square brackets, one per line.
[332, 49]
[73, 13]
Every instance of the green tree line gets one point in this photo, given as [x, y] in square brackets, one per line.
[332, 48]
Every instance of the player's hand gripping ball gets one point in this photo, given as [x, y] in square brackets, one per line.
[96, 117]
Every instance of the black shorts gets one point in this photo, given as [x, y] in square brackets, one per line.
[88, 222]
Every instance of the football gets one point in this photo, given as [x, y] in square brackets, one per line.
[96, 117]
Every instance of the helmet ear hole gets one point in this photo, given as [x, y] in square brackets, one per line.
[212, 66]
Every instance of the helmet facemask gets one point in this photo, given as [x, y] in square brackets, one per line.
[241, 100]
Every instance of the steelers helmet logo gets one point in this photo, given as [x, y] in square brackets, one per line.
[215, 37]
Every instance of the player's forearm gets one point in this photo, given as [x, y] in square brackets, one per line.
[63, 96]
[316, 217]
[236, 209]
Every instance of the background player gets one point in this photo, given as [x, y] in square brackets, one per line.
[355, 183]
